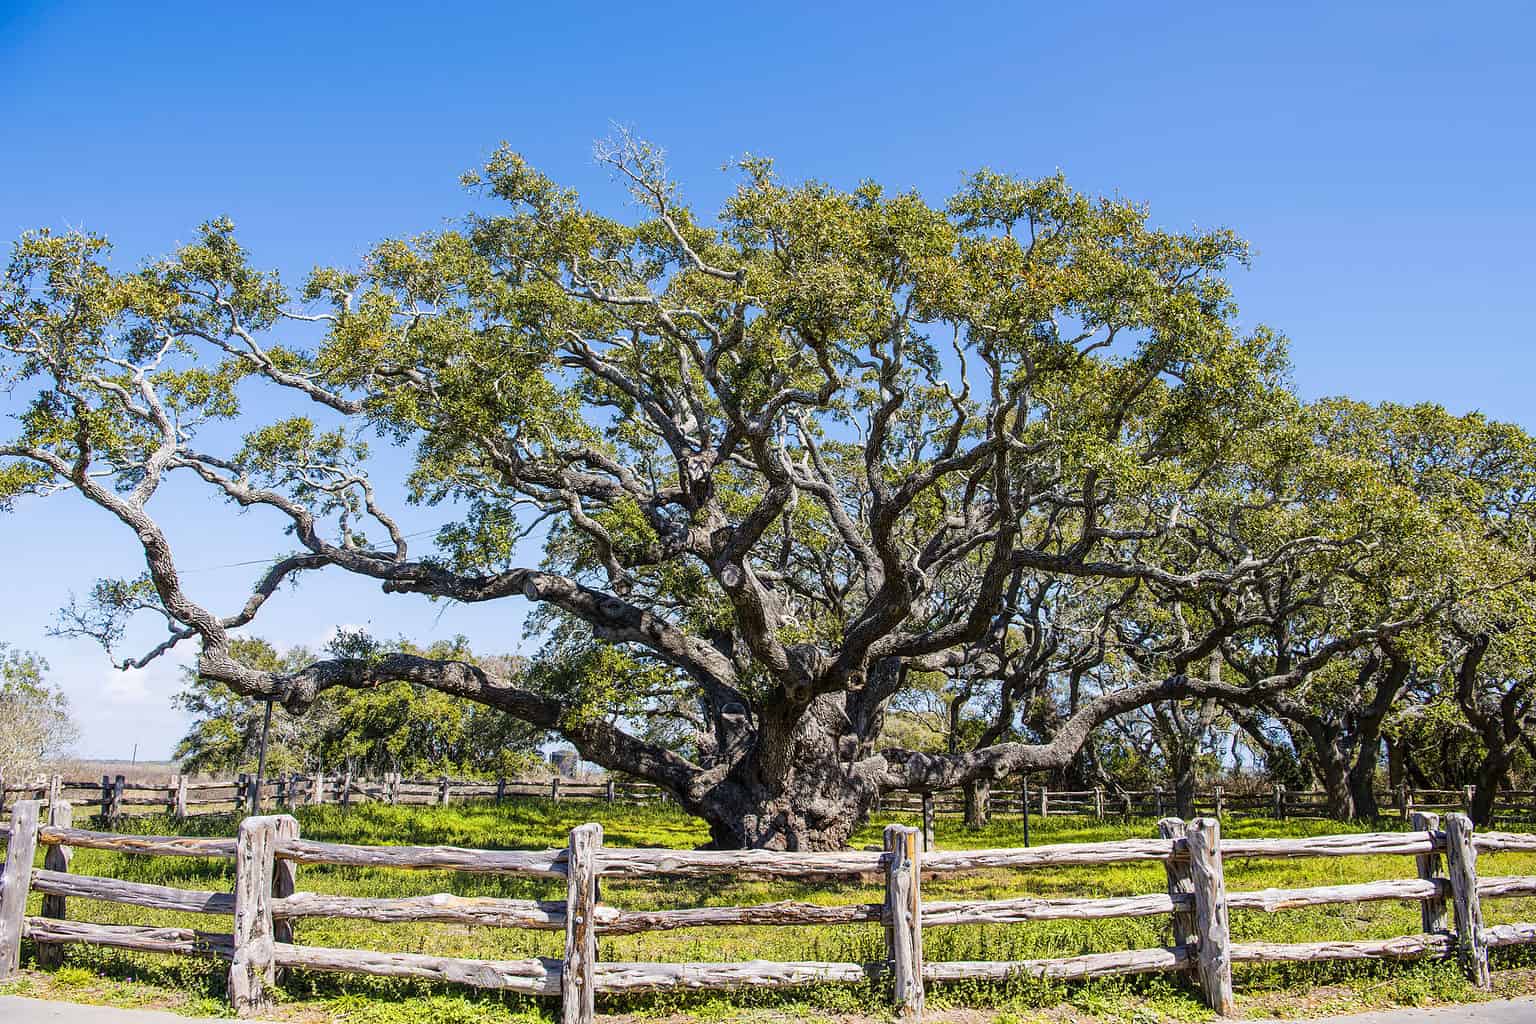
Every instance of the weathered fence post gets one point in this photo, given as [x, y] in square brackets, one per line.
[1432, 908]
[55, 858]
[554, 786]
[1280, 803]
[116, 810]
[242, 798]
[1098, 802]
[16, 882]
[1203, 838]
[904, 918]
[55, 789]
[317, 793]
[1461, 865]
[1181, 886]
[1467, 793]
[608, 791]
[501, 789]
[1405, 803]
[345, 796]
[927, 821]
[1157, 795]
[1221, 803]
[443, 787]
[578, 974]
[1045, 801]
[252, 972]
[285, 873]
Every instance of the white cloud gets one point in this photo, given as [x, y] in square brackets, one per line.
[130, 687]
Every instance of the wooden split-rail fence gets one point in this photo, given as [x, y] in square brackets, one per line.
[266, 903]
[184, 796]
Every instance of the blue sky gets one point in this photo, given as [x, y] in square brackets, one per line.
[1381, 158]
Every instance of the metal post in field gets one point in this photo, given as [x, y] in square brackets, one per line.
[578, 974]
[1024, 800]
[904, 919]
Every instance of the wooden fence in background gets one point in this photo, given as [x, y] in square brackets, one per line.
[183, 796]
[266, 902]
[113, 796]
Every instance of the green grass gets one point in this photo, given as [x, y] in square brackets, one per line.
[198, 986]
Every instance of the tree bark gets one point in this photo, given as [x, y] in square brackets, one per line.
[1184, 784]
[1490, 775]
[978, 800]
[794, 788]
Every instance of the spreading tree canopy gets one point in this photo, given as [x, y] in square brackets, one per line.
[777, 461]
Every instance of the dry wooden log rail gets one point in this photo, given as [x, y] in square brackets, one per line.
[265, 904]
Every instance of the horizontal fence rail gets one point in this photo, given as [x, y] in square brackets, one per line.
[265, 902]
[183, 796]
[111, 797]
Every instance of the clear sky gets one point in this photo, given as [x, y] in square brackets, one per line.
[1381, 158]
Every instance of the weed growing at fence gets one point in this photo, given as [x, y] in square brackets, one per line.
[94, 973]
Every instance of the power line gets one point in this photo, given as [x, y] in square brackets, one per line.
[506, 515]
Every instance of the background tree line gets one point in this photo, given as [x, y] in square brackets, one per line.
[395, 727]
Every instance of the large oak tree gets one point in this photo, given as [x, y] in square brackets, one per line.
[777, 462]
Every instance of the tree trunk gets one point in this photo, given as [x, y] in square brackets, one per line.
[1397, 772]
[1341, 799]
[978, 800]
[1490, 776]
[793, 788]
[1184, 786]
[1362, 782]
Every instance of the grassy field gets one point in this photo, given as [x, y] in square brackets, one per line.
[94, 974]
